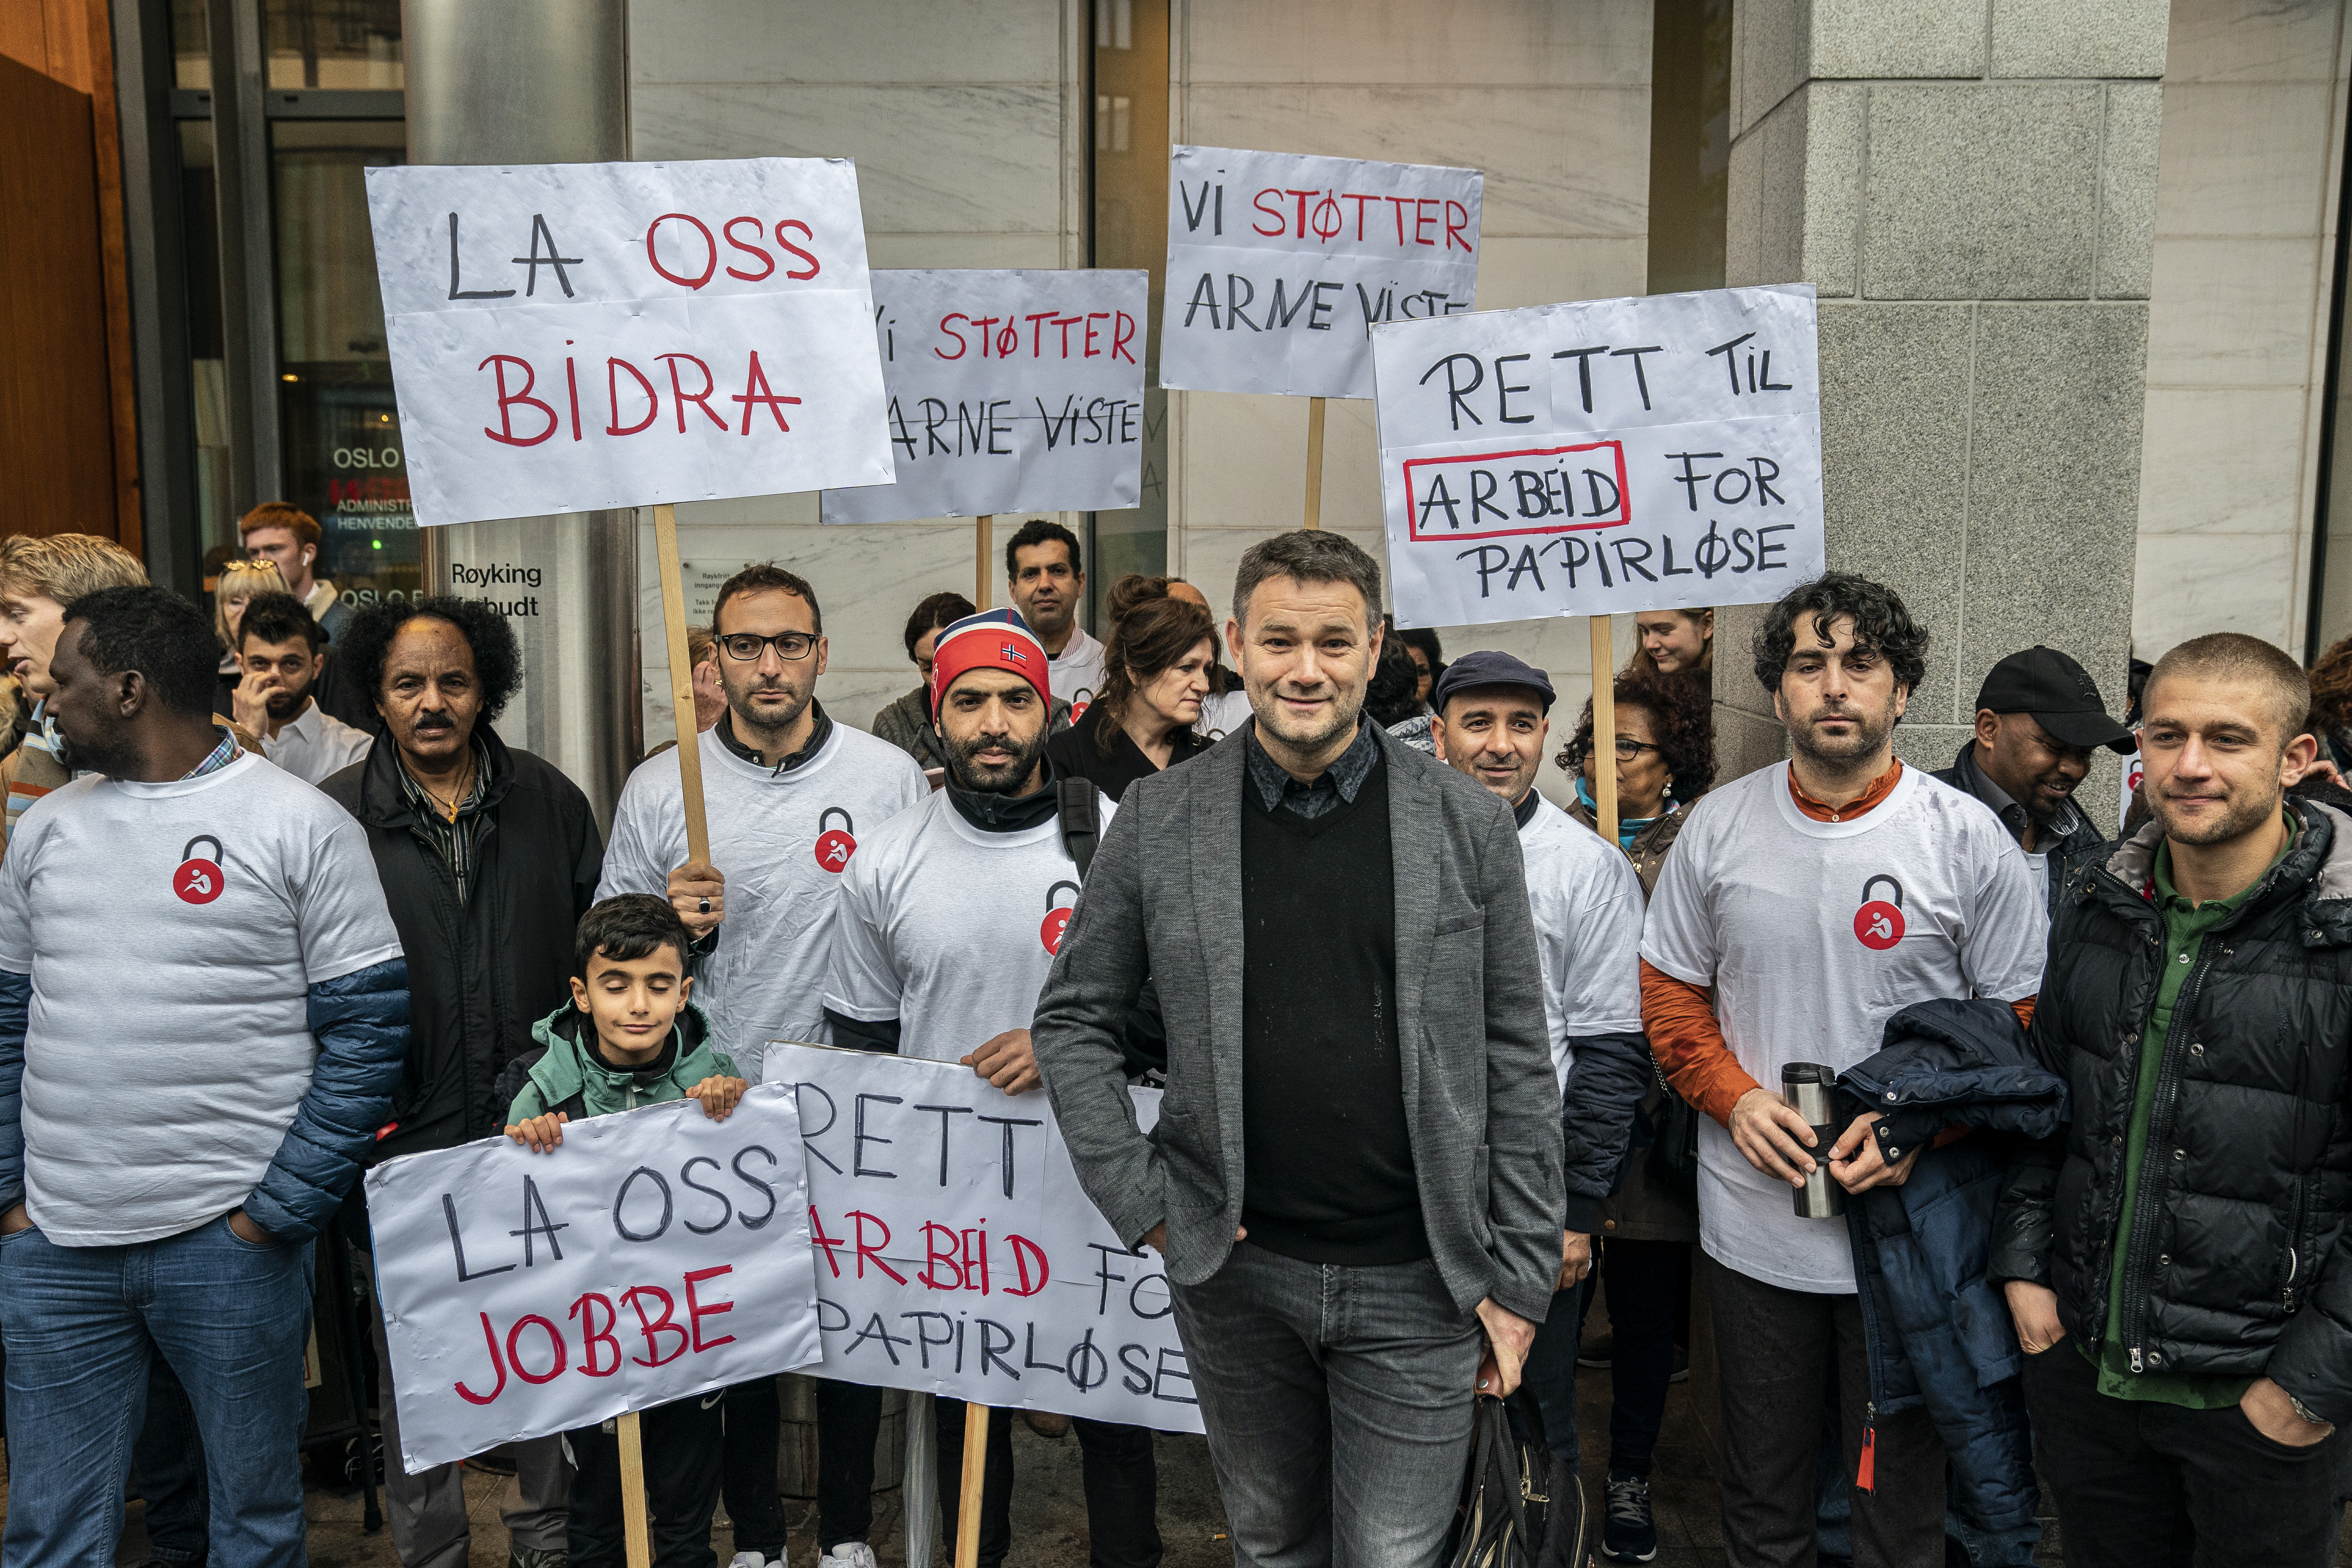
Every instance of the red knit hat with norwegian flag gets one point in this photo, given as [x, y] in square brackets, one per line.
[994, 640]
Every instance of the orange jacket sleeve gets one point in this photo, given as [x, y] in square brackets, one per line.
[1689, 1044]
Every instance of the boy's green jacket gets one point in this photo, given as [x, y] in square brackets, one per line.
[572, 1075]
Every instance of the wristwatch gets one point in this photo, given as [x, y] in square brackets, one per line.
[2307, 1413]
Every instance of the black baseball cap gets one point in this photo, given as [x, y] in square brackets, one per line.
[2059, 694]
[1490, 667]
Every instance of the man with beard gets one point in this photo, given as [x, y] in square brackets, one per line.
[788, 794]
[2176, 1260]
[1356, 1176]
[2038, 717]
[488, 857]
[927, 963]
[283, 650]
[1043, 573]
[1818, 898]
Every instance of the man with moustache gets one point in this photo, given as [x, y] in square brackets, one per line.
[488, 857]
[788, 793]
[283, 650]
[1356, 1176]
[1805, 905]
[2176, 1260]
[2038, 718]
[1047, 582]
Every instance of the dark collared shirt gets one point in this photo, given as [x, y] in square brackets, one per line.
[1337, 782]
[2014, 816]
[455, 836]
[819, 733]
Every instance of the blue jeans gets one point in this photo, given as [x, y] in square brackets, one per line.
[81, 1323]
[1338, 1401]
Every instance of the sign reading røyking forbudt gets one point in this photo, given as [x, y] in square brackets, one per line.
[1279, 265]
[653, 1256]
[1594, 459]
[572, 336]
[1010, 391]
[956, 1253]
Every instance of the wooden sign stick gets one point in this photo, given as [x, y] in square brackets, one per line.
[636, 1535]
[981, 548]
[681, 695]
[975, 1472]
[1314, 462]
[1604, 729]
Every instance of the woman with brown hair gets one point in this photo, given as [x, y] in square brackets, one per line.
[1155, 674]
[1674, 642]
[239, 581]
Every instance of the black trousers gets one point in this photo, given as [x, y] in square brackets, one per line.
[1774, 1350]
[748, 1475]
[2142, 1485]
[682, 1442]
[848, 1424]
[1120, 1474]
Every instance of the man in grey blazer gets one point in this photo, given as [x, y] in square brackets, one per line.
[1356, 1176]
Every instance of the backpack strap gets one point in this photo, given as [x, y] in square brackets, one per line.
[1081, 822]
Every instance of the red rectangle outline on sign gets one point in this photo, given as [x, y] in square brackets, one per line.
[1412, 512]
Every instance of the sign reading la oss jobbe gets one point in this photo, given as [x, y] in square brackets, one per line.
[1279, 264]
[573, 336]
[1010, 391]
[1592, 458]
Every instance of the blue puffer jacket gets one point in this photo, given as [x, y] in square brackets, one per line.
[1937, 1330]
[361, 1022]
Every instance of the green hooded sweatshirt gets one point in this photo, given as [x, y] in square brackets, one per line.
[573, 1063]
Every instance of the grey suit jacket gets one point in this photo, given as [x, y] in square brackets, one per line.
[1164, 900]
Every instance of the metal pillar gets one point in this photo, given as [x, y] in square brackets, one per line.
[538, 81]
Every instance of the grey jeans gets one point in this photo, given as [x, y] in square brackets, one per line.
[1338, 1403]
[427, 1511]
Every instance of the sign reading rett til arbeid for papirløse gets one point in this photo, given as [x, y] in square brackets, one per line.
[1601, 458]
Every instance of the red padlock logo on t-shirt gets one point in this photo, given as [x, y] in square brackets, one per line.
[834, 845]
[1058, 917]
[199, 879]
[1080, 700]
[1879, 922]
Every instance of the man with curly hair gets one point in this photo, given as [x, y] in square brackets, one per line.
[1818, 898]
[488, 857]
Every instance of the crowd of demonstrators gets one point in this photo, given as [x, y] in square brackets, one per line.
[1915, 892]
[629, 1036]
[924, 964]
[1047, 582]
[1492, 722]
[1353, 1182]
[488, 857]
[289, 538]
[168, 1210]
[1157, 668]
[284, 650]
[790, 794]
[1674, 642]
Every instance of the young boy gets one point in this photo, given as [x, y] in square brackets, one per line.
[630, 1037]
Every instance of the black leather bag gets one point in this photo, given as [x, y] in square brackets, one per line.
[1673, 1145]
[1518, 1508]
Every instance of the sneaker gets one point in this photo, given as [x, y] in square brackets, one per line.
[1599, 1350]
[1681, 1366]
[1048, 1425]
[532, 1557]
[749, 1560]
[849, 1554]
[1629, 1534]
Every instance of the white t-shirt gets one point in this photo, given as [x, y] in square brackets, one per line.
[1587, 903]
[782, 842]
[1078, 674]
[315, 745]
[172, 933]
[1223, 714]
[1814, 935]
[950, 930]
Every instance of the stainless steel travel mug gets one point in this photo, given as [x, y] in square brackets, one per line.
[1806, 1086]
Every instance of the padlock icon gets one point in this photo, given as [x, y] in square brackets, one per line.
[834, 845]
[1878, 924]
[199, 879]
[1080, 700]
[1058, 917]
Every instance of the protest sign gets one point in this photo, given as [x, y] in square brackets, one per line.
[573, 336]
[957, 1253]
[1279, 264]
[657, 1254]
[1592, 458]
[1009, 390]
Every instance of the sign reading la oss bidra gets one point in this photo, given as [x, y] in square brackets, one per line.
[1279, 265]
[1009, 390]
[896, 1223]
[1592, 458]
[575, 336]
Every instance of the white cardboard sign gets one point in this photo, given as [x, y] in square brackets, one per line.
[1010, 391]
[1280, 264]
[1594, 459]
[655, 1254]
[566, 337]
[957, 1253]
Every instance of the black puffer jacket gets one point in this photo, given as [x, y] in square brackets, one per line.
[2236, 1263]
[480, 974]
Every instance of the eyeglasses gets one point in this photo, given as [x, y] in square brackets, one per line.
[1629, 748]
[745, 648]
